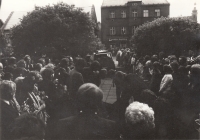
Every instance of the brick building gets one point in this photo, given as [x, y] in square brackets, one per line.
[120, 18]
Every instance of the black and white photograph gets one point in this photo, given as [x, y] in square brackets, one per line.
[99, 69]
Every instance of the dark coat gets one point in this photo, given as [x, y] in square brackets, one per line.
[85, 126]
[8, 115]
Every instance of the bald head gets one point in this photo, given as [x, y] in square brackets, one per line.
[90, 96]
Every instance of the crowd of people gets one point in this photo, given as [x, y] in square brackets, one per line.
[157, 98]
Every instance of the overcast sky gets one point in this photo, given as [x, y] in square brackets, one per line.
[177, 7]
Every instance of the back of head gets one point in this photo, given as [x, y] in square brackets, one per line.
[11, 60]
[42, 61]
[28, 126]
[167, 69]
[174, 65]
[156, 65]
[90, 97]
[182, 60]
[95, 66]
[154, 58]
[195, 74]
[148, 97]
[7, 89]
[79, 63]
[64, 62]
[21, 63]
[47, 73]
[38, 66]
[140, 120]
[27, 58]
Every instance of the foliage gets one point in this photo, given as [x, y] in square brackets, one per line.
[60, 29]
[170, 35]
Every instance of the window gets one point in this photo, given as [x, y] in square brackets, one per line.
[112, 31]
[145, 13]
[123, 30]
[134, 4]
[123, 14]
[157, 12]
[134, 13]
[112, 14]
[133, 29]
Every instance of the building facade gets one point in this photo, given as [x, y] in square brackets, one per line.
[120, 18]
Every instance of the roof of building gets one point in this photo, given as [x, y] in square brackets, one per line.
[13, 19]
[124, 2]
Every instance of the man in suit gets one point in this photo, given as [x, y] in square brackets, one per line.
[8, 113]
[87, 124]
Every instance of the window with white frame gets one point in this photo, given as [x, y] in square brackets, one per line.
[134, 4]
[123, 30]
[112, 31]
[123, 13]
[157, 12]
[134, 13]
[112, 14]
[133, 29]
[145, 13]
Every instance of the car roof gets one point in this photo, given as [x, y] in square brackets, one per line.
[102, 51]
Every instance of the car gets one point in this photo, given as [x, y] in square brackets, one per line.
[105, 59]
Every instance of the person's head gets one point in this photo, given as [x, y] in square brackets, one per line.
[195, 74]
[154, 58]
[60, 74]
[146, 58]
[79, 64]
[119, 77]
[42, 61]
[156, 65]
[182, 60]
[95, 66]
[139, 118]
[167, 69]
[38, 67]
[7, 90]
[148, 64]
[90, 97]
[28, 126]
[47, 60]
[47, 74]
[11, 60]
[64, 62]
[31, 79]
[27, 58]
[174, 65]
[148, 97]
[167, 61]
[8, 76]
[172, 58]
[21, 64]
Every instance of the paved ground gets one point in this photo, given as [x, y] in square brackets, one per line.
[109, 95]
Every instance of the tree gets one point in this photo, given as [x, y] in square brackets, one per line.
[60, 29]
[170, 35]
